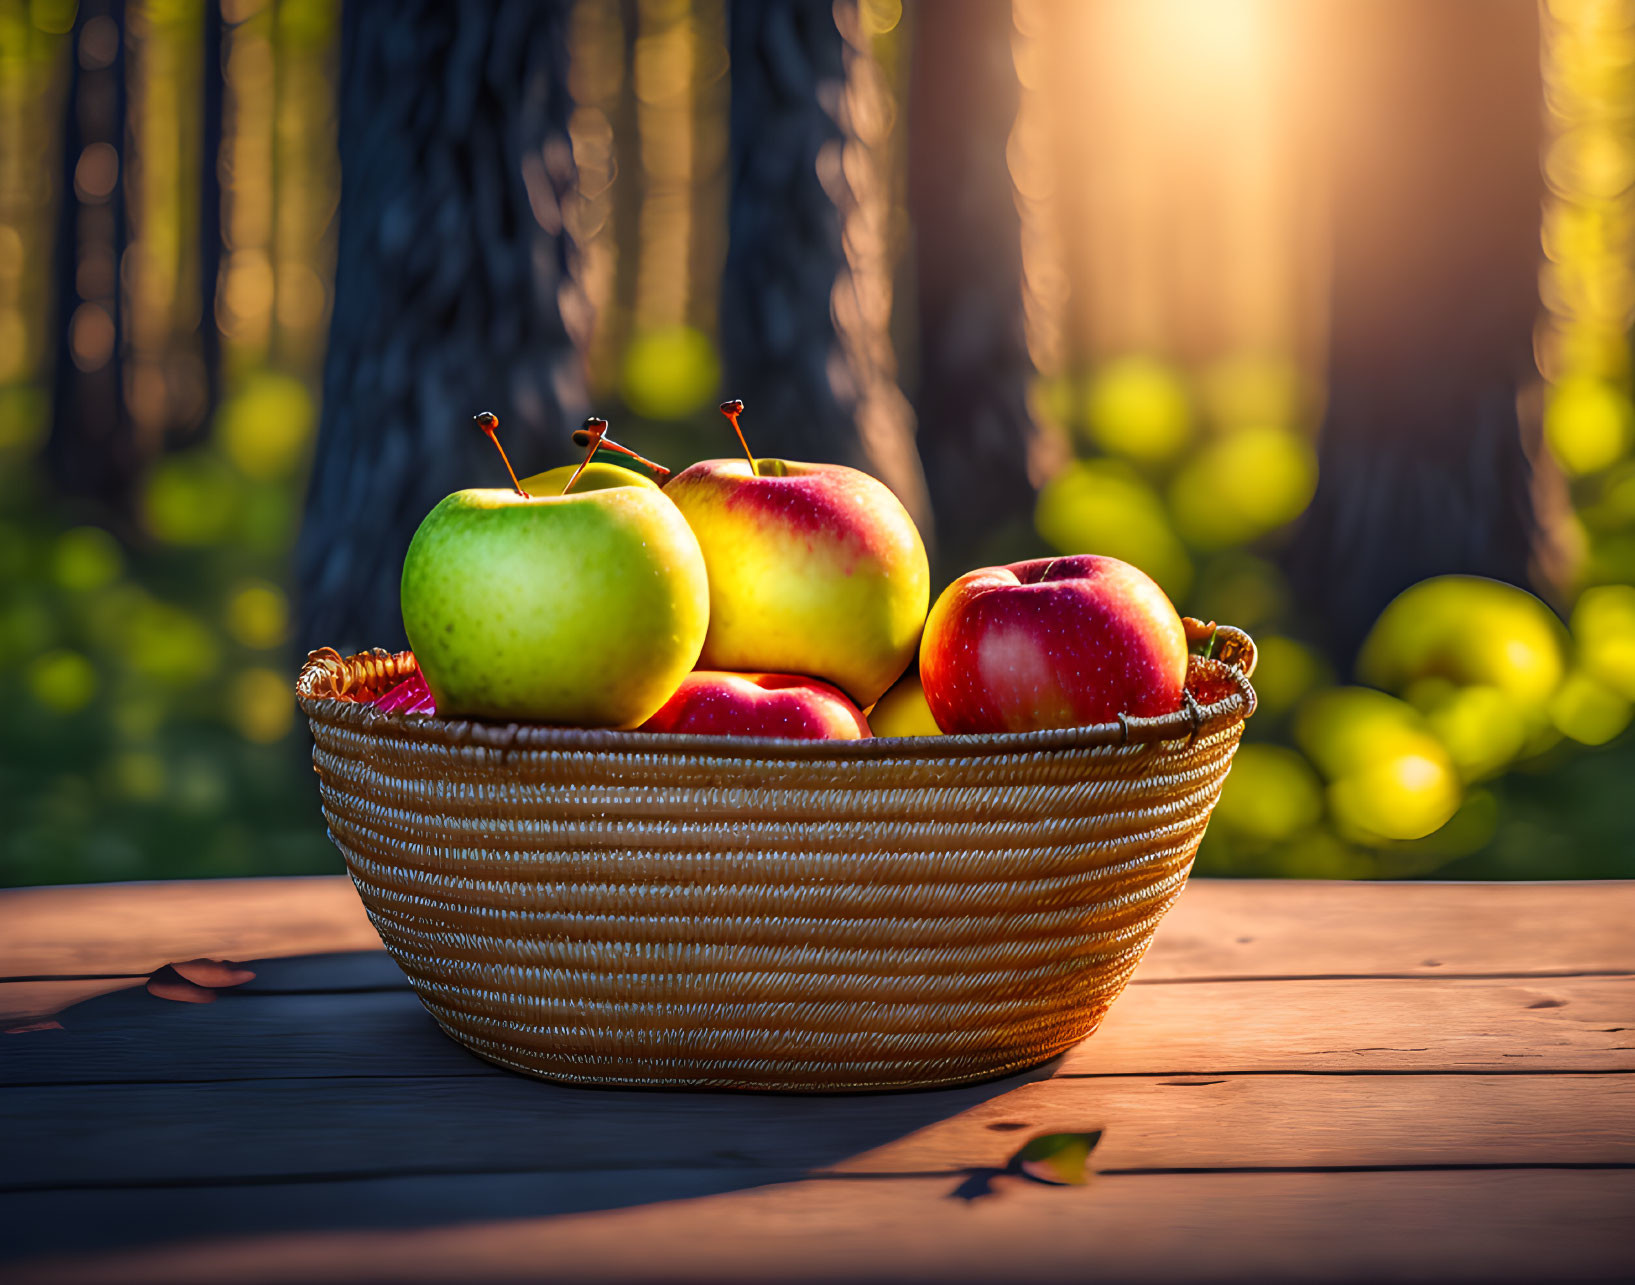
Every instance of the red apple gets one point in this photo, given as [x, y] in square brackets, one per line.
[712, 702]
[1055, 642]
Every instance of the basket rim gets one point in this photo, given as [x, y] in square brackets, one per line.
[1188, 722]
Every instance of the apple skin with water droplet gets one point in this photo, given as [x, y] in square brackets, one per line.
[583, 609]
[1054, 642]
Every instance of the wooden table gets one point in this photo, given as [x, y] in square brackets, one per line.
[1306, 1081]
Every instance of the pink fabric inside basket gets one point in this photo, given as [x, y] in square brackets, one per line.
[411, 696]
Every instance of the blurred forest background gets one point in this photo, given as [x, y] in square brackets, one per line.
[1298, 307]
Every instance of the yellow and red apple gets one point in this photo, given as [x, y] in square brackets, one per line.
[1055, 642]
[903, 711]
[715, 703]
[814, 569]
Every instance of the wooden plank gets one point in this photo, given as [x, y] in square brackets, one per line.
[108, 1136]
[1569, 1024]
[57, 1222]
[333, 971]
[356, 970]
[1295, 1121]
[143, 1134]
[1507, 1225]
[132, 1036]
[1219, 928]
[1366, 1025]
[73, 943]
[1262, 928]
[135, 928]
[25, 1003]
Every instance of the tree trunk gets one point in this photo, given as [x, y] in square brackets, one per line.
[802, 334]
[451, 264]
[92, 451]
[1436, 243]
[976, 432]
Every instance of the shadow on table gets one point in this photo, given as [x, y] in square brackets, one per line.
[319, 1095]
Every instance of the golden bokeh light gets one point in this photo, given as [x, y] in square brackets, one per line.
[267, 427]
[1343, 729]
[262, 705]
[1389, 777]
[1479, 725]
[1106, 508]
[1588, 710]
[190, 499]
[1588, 285]
[1138, 408]
[1271, 794]
[54, 16]
[1286, 671]
[1237, 487]
[62, 681]
[167, 644]
[1402, 795]
[1249, 389]
[1603, 626]
[1468, 630]
[1588, 423]
[670, 373]
[258, 614]
[85, 559]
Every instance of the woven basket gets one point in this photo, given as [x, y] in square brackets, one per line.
[629, 908]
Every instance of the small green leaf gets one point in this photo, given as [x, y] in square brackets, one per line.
[1060, 1159]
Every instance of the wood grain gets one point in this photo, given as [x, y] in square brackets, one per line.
[110, 1136]
[137, 927]
[1296, 1121]
[1264, 928]
[1510, 1225]
[1355, 1026]
[1362, 1025]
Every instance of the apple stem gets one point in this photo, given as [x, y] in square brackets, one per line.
[594, 435]
[488, 421]
[732, 410]
[594, 430]
[583, 436]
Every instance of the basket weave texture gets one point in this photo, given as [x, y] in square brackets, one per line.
[629, 908]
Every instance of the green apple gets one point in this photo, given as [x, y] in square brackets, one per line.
[584, 609]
